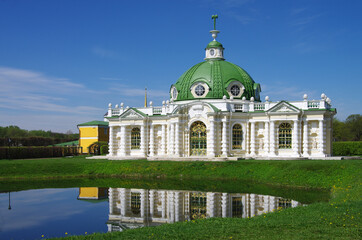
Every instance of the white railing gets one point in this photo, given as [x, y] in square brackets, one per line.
[313, 104]
[238, 107]
[115, 111]
[259, 107]
[157, 110]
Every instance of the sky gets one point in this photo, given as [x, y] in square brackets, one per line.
[63, 61]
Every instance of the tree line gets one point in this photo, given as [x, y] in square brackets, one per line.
[348, 130]
[15, 136]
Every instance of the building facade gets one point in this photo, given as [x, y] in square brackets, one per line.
[91, 132]
[133, 208]
[215, 113]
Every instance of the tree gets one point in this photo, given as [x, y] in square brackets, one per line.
[354, 125]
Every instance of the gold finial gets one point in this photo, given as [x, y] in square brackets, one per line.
[145, 96]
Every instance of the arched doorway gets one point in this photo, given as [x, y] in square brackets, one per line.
[198, 139]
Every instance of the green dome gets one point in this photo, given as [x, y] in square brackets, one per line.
[218, 75]
[214, 44]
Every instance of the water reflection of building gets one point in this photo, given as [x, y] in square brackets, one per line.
[132, 208]
[92, 193]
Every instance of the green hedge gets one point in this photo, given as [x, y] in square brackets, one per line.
[37, 152]
[104, 149]
[347, 148]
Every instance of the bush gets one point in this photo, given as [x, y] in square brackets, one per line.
[104, 149]
[347, 148]
[37, 152]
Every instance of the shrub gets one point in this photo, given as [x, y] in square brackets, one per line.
[37, 152]
[104, 149]
[347, 148]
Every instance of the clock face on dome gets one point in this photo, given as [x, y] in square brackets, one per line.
[212, 52]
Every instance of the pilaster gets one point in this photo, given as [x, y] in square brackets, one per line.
[252, 139]
[224, 141]
[266, 138]
[111, 147]
[123, 141]
[143, 140]
[295, 141]
[305, 139]
[322, 142]
[211, 142]
[172, 137]
[152, 140]
[163, 139]
[177, 138]
[272, 138]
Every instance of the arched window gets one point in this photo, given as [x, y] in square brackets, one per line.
[135, 138]
[285, 136]
[237, 136]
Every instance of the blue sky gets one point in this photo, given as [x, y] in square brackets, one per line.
[62, 62]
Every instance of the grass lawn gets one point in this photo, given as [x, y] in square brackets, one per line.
[339, 218]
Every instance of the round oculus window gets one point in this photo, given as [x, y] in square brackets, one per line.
[212, 52]
[174, 93]
[199, 90]
[235, 90]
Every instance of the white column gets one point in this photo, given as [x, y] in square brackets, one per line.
[252, 205]
[305, 139]
[295, 136]
[163, 139]
[252, 139]
[152, 202]
[172, 137]
[123, 201]
[110, 152]
[266, 138]
[110, 199]
[143, 140]
[177, 206]
[322, 142]
[163, 203]
[210, 204]
[272, 204]
[171, 204]
[177, 139]
[224, 141]
[123, 141]
[224, 205]
[143, 203]
[272, 138]
[152, 140]
[211, 143]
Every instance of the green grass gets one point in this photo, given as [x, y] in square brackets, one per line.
[339, 218]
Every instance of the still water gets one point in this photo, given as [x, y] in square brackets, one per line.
[56, 212]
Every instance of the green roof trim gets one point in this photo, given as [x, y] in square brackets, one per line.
[215, 108]
[214, 44]
[138, 111]
[94, 123]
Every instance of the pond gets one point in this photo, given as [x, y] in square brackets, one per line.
[59, 212]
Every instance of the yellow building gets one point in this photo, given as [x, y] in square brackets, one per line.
[91, 132]
[94, 193]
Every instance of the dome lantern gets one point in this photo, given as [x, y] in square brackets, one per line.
[214, 50]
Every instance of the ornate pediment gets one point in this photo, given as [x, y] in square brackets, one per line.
[284, 107]
[131, 114]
